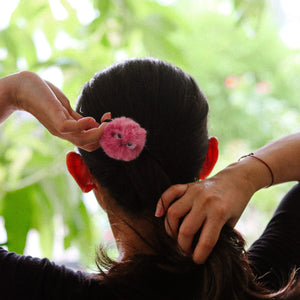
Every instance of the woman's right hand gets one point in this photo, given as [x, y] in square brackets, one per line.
[27, 91]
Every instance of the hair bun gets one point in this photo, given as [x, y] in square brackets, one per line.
[123, 139]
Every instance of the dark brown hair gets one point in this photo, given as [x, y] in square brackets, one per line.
[168, 103]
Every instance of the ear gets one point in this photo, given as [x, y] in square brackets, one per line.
[210, 158]
[80, 171]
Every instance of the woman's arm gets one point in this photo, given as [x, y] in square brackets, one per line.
[283, 156]
[27, 91]
[6, 97]
[222, 198]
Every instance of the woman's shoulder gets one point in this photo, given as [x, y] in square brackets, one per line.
[27, 277]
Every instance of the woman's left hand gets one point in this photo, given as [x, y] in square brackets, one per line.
[205, 205]
[27, 91]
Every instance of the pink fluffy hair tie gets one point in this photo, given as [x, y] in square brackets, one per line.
[123, 139]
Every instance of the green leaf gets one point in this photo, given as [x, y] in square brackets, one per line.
[43, 219]
[17, 212]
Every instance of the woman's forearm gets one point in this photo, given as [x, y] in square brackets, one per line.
[283, 158]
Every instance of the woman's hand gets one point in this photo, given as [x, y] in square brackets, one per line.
[27, 91]
[209, 204]
[205, 205]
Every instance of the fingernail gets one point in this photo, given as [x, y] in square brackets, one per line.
[159, 210]
[106, 117]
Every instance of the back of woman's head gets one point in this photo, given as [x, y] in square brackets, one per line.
[169, 105]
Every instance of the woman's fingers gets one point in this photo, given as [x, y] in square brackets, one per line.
[63, 99]
[73, 126]
[83, 123]
[87, 138]
[203, 207]
[52, 108]
[70, 126]
[208, 238]
[171, 194]
[71, 113]
[91, 147]
[106, 116]
[83, 132]
[189, 227]
[199, 207]
[175, 213]
[87, 123]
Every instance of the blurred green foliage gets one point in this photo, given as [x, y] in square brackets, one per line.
[249, 76]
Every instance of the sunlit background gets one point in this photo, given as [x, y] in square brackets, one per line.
[244, 55]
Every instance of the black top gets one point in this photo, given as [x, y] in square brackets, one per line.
[277, 251]
[274, 253]
[24, 277]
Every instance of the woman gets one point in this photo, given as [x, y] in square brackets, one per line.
[168, 104]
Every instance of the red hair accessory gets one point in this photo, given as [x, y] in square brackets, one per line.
[123, 139]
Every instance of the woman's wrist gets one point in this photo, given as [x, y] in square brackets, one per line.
[18, 91]
[251, 174]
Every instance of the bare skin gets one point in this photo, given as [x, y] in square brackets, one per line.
[208, 204]
[127, 241]
[27, 91]
[222, 198]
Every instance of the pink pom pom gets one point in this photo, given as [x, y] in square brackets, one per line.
[123, 139]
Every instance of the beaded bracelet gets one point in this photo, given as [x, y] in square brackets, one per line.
[259, 159]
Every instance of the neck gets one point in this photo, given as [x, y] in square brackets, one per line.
[130, 232]
[131, 235]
